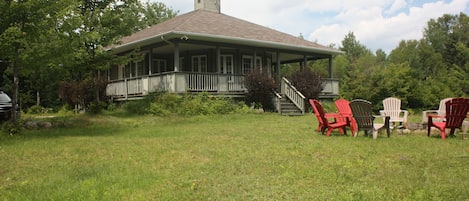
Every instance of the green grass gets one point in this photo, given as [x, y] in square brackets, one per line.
[229, 157]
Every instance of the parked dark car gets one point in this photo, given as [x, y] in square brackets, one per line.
[5, 106]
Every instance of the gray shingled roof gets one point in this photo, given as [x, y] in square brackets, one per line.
[220, 27]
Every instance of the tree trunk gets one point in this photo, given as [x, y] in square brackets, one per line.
[14, 100]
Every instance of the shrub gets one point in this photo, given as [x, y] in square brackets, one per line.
[36, 109]
[204, 104]
[163, 104]
[259, 85]
[96, 108]
[309, 83]
[12, 128]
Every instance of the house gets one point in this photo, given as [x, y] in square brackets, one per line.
[206, 50]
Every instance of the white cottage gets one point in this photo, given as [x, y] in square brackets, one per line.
[206, 50]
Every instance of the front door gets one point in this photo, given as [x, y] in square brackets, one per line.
[226, 62]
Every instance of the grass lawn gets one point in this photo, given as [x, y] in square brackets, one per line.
[230, 157]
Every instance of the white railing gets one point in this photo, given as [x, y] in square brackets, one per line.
[236, 83]
[202, 82]
[293, 94]
[176, 82]
[134, 86]
[162, 82]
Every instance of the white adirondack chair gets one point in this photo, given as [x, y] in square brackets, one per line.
[392, 108]
[440, 112]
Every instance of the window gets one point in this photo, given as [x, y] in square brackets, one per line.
[199, 63]
[139, 68]
[159, 65]
[226, 62]
[248, 63]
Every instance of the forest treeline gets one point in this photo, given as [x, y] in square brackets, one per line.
[50, 49]
[420, 72]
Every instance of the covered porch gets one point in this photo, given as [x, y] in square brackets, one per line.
[184, 63]
[184, 82]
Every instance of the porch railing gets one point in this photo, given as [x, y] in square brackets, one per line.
[331, 87]
[293, 94]
[176, 82]
[202, 82]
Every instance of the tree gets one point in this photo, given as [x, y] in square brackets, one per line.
[96, 24]
[444, 34]
[22, 25]
[352, 48]
[155, 13]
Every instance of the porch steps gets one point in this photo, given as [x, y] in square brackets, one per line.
[288, 108]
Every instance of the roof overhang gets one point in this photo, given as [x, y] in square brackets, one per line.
[168, 36]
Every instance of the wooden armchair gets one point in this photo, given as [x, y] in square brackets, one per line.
[363, 114]
[324, 121]
[456, 112]
[344, 110]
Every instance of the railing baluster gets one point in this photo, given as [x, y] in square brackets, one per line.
[293, 94]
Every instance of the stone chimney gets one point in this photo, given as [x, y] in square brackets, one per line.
[210, 5]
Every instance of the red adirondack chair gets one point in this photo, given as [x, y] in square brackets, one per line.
[456, 112]
[324, 121]
[327, 115]
[344, 110]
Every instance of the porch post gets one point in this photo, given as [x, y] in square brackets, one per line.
[131, 66]
[254, 60]
[305, 62]
[176, 57]
[277, 70]
[150, 61]
[330, 67]
[218, 60]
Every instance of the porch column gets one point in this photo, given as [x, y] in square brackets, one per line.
[131, 68]
[218, 60]
[277, 70]
[150, 61]
[330, 67]
[254, 60]
[176, 57]
[305, 62]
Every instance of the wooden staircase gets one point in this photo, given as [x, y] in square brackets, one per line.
[287, 107]
[289, 101]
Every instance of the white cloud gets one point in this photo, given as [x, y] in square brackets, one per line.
[375, 23]
[396, 6]
[375, 31]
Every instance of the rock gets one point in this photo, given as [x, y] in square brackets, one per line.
[31, 125]
[45, 124]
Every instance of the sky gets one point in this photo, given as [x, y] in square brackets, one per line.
[377, 24]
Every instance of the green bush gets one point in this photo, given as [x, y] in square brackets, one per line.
[36, 109]
[96, 108]
[204, 104]
[163, 104]
[12, 128]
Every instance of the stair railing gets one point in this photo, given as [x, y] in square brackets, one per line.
[277, 101]
[293, 94]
